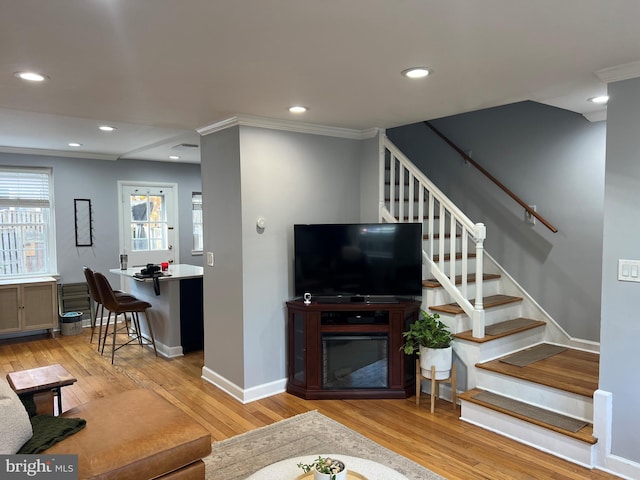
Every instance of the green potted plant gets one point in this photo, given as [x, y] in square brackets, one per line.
[431, 339]
[325, 468]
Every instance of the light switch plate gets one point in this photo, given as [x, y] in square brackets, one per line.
[210, 259]
[629, 270]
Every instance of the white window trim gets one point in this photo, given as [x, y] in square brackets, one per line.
[51, 238]
[196, 252]
[123, 241]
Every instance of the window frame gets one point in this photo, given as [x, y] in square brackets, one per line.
[48, 221]
[194, 223]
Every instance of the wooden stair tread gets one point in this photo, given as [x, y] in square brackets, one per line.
[574, 371]
[424, 217]
[471, 278]
[488, 302]
[511, 327]
[585, 434]
[447, 257]
[437, 236]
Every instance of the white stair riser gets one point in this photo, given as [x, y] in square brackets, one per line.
[509, 344]
[439, 296]
[471, 266]
[461, 322]
[541, 438]
[471, 353]
[565, 403]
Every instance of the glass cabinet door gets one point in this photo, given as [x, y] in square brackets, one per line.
[299, 350]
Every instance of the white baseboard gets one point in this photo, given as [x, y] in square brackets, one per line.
[244, 395]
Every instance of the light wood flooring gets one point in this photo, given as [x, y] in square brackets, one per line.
[440, 442]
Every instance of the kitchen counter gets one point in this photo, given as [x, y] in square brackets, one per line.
[176, 312]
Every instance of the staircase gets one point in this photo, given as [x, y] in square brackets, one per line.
[547, 404]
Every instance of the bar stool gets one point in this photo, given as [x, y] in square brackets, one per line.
[95, 294]
[117, 307]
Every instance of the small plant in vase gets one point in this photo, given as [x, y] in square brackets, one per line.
[325, 468]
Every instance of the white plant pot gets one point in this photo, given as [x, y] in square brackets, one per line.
[440, 357]
[327, 476]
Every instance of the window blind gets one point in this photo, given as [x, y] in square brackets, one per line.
[25, 187]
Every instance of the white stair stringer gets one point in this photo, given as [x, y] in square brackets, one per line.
[549, 441]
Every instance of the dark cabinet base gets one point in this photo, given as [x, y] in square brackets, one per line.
[339, 351]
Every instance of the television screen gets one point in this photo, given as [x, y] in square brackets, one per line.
[380, 259]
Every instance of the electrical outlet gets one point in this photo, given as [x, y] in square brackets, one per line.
[210, 259]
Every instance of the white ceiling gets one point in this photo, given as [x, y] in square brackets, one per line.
[160, 69]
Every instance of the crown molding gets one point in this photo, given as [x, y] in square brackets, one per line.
[598, 116]
[619, 72]
[289, 126]
[56, 153]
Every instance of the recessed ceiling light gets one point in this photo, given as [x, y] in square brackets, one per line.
[298, 109]
[174, 157]
[416, 72]
[74, 144]
[31, 76]
[107, 128]
[601, 99]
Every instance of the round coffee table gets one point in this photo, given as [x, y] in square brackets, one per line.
[288, 469]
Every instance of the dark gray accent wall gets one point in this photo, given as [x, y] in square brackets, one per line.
[619, 374]
[551, 158]
[97, 180]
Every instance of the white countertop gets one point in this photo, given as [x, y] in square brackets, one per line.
[177, 271]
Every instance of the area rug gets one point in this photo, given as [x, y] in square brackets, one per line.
[309, 433]
[533, 354]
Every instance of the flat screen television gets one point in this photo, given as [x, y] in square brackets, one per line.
[358, 260]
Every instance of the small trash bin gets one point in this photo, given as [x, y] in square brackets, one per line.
[70, 323]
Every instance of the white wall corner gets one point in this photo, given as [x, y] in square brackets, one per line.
[602, 418]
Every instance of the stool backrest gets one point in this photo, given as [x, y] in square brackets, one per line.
[91, 281]
[106, 293]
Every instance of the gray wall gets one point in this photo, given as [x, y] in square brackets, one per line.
[97, 180]
[620, 326]
[551, 158]
[286, 178]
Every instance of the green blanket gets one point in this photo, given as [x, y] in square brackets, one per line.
[47, 429]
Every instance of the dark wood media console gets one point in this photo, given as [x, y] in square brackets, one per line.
[349, 350]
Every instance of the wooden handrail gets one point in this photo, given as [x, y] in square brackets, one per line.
[467, 158]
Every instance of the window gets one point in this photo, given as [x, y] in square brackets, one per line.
[149, 225]
[148, 222]
[27, 231]
[196, 217]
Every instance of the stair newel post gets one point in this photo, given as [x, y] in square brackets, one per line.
[479, 234]
[382, 174]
